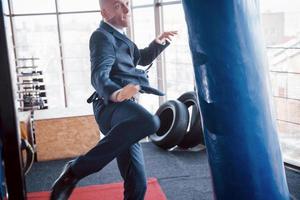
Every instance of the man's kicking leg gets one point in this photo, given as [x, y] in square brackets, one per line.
[129, 122]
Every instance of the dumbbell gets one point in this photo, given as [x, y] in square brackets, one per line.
[37, 80]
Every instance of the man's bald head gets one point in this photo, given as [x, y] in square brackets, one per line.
[115, 12]
[103, 3]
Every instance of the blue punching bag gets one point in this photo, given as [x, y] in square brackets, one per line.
[233, 90]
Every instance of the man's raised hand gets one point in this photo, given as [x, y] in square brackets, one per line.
[165, 36]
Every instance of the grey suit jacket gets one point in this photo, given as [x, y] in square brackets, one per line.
[114, 58]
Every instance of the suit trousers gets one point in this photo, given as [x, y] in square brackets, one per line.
[123, 124]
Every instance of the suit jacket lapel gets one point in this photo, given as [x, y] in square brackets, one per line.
[118, 35]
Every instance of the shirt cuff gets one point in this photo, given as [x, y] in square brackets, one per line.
[160, 42]
[113, 97]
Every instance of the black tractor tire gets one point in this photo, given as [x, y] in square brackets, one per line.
[174, 118]
[194, 135]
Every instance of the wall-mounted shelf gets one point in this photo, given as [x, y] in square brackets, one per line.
[31, 88]
[31, 91]
[30, 59]
[26, 67]
[33, 83]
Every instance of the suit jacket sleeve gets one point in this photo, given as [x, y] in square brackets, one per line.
[102, 56]
[149, 53]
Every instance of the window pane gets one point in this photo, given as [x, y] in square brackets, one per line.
[78, 5]
[285, 81]
[76, 30]
[144, 33]
[179, 68]
[9, 39]
[5, 7]
[144, 29]
[292, 29]
[33, 6]
[142, 2]
[281, 28]
[279, 6]
[281, 22]
[11, 54]
[36, 36]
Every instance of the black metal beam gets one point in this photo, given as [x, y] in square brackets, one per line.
[8, 124]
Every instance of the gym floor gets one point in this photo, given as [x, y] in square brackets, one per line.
[181, 174]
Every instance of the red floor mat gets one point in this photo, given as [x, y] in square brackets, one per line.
[112, 191]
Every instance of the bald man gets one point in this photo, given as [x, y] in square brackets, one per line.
[121, 119]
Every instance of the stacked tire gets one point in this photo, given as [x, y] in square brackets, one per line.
[179, 126]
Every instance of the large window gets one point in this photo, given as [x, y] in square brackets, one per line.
[59, 34]
[281, 25]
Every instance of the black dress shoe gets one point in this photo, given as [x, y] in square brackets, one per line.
[64, 185]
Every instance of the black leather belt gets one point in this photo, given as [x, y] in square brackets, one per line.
[133, 99]
[95, 97]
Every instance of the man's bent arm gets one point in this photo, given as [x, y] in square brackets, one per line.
[149, 53]
[102, 55]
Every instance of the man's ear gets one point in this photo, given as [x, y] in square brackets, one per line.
[104, 14]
